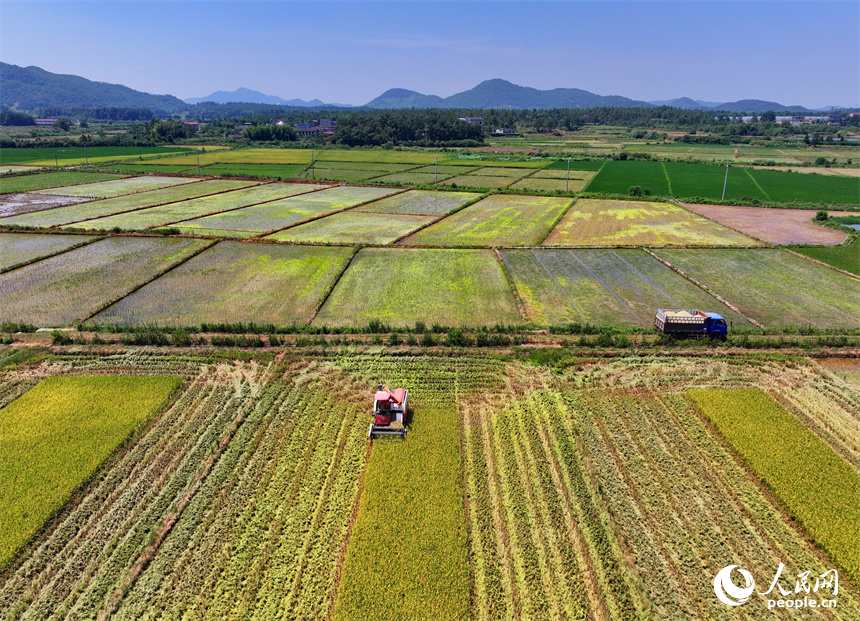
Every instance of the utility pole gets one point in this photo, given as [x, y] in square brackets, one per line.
[198, 160]
[57, 159]
[312, 166]
[567, 183]
[725, 181]
[436, 174]
[86, 159]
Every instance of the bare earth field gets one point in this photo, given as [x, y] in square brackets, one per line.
[777, 226]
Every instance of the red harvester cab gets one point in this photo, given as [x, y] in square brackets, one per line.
[389, 412]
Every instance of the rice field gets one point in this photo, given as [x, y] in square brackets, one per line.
[77, 156]
[527, 493]
[420, 203]
[478, 180]
[59, 290]
[352, 227]
[402, 286]
[118, 187]
[608, 287]
[108, 206]
[600, 222]
[499, 220]
[54, 438]
[233, 281]
[774, 287]
[11, 184]
[20, 248]
[16, 204]
[841, 257]
[193, 208]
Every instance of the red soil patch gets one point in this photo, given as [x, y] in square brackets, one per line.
[777, 226]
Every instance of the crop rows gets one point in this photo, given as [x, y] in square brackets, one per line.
[39, 181]
[117, 187]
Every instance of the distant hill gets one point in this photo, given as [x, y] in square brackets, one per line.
[744, 105]
[403, 98]
[499, 93]
[28, 88]
[246, 95]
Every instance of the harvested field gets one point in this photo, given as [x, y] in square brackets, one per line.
[11, 184]
[241, 156]
[412, 178]
[619, 288]
[354, 227]
[449, 287]
[233, 281]
[18, 248]
[420, 203]
[774, 287]
[118, 187]
[193, 208]
[776, 226]
[61, 289]
[847, 369]
[597, 222]
[499, 220]
[16, 204]
[562, 185]
[104, 207]
[552, 173]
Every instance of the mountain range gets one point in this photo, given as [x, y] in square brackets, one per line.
[246, 95]
[28, 88]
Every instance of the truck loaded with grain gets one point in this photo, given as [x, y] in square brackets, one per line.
[690, 323]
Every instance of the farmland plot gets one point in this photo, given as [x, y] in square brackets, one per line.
[96, 209]
[449, 287]
[619, 288]
[92, 548]
[18, 248]
[261, 283]
[774, 287]
[616, 177]
[841, 257]
[420, 203]
[689, 180]
[413, 178]
[241, 156]
[40, 181]
[61, 289]
[597, 222]
[15, 204]
[777, 226]
[480, 181]
[79, 421]
[548, 184]
[788, 187]
[495, 221]
[78, 156]
[118, 187]
[259, 219]
[353, 227]
[194, 208]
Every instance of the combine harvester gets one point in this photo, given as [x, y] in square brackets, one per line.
[681, 323]
[389, 412]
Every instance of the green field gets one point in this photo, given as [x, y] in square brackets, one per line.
[817, 486]
[616, 177]
[704, 180]
[69, 156]
[402, 286]
[412, 178]
[194, 208]
[241, 156]
[233, 281]
[55, 436]
[497, 220]
[601, 222]
[549, 185]
[808, 188]
[619, 288]
[12, 184]
[354, 227]
[420, 203]
[480, 181]
[843, 257]
[118, 187]
[18, 248]
[104, 207]
[774, 287]
[75, 284]
[249, 170]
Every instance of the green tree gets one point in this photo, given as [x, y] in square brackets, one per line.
[63, 124]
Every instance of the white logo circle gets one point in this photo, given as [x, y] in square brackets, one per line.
[726, 589]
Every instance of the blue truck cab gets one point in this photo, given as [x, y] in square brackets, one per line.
[686, 323]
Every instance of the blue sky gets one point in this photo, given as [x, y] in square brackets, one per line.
[799, 52]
